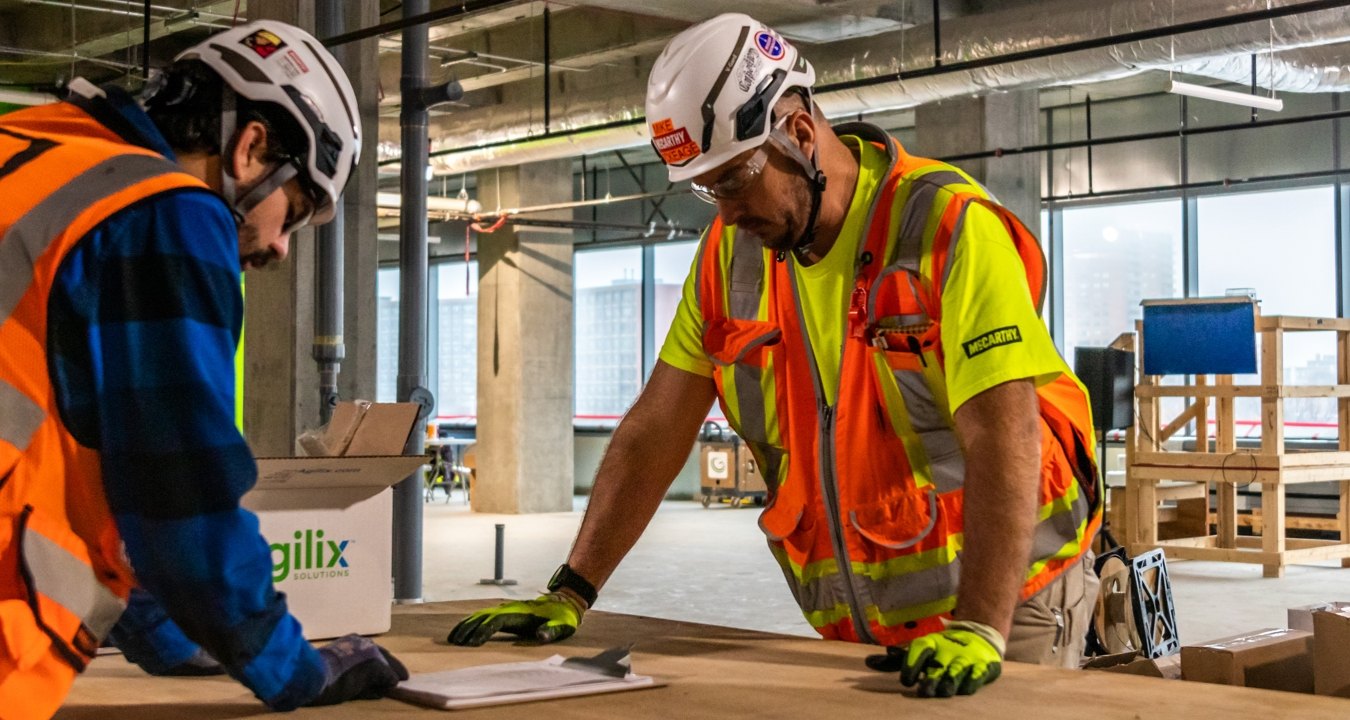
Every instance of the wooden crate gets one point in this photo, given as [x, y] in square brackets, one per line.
[1152, 470]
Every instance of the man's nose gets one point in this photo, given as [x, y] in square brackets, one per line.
[281, 246]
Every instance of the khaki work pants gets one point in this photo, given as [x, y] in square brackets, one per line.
[1051, 627]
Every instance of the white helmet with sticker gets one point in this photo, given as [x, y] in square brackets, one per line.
[711, 92]
[273, 62]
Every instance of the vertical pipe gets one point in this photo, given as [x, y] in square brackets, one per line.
[1087, 104]
[548, 67]
[499, 560]
[145, 43]
[328, 349]
[412, 309]
[1254, 84]
[937, 33]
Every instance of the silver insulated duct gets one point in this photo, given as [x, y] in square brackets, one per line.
[1296, 65]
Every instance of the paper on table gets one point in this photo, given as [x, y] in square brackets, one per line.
[521, 682]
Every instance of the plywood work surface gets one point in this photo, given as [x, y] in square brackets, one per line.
[710, 672]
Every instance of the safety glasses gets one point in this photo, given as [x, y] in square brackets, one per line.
[740, 179]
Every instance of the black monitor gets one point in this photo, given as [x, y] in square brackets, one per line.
[1108, 375]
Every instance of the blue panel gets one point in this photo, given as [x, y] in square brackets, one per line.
[1217, 338]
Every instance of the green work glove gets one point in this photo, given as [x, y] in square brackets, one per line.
[957, 661]
[547, 618]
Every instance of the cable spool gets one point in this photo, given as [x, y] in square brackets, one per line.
[1113, 619]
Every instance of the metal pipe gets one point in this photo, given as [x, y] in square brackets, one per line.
[145, 43]
[1154, 135]
[328, 349]
[548, 78]
[411, 20]
[1200, 185]
[412, 310]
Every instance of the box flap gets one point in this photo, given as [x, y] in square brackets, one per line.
[322, 473]
[1251, 641]
[384, 429]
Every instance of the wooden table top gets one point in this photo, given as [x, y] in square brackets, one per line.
[709, 672]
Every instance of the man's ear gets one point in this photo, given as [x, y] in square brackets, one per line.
[802, 128]
[247, 159]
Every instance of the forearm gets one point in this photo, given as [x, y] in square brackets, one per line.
[1002, 437]
[647, 451]
[633, 478]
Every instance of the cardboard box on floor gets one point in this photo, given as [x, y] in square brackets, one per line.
[1331, 654]
[1274, 659]
[1301, 618]
[329, 519]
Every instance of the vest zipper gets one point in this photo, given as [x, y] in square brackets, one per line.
[826, 468]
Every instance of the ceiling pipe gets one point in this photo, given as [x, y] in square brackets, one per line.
[1020, 30]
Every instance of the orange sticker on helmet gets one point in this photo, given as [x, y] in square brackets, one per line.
[662, 127]
[675, 147]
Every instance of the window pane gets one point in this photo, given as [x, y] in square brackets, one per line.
[608, 331]
[672, 263]
[1281, 245]
[1115, 256]
[457, 355]
[386, 319]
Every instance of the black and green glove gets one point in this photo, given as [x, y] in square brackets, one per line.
[547, 618]
[957, 661]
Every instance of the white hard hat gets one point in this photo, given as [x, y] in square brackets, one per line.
[711, 93]
[267, 61]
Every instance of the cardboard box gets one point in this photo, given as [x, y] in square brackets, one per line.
[1331, 657]
[1301, 618]
[329, 520]
[1274, 659]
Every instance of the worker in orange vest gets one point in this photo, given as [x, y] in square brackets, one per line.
[124, 228]
[869, 321]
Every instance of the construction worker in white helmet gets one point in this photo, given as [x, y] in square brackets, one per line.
[125, 225]
[869, 322]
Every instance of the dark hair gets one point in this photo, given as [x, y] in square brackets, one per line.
[184, 103]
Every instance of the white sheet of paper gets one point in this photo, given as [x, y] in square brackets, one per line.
[509, 683]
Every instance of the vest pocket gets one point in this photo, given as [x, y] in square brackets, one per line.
[900, 523]
[730, 342]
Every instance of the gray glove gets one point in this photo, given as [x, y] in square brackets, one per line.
[357, 669]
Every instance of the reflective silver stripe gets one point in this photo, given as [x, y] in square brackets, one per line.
[914, 588]
[20, 417]
[71, 583]
[29, 237]
[951, 247]
[750, 403]
[947, 463]
[1059, 529]
[888, 594]
[747, 278]
[770, 461]
[918, 208]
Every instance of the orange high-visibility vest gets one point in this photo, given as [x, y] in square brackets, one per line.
[867, 508]
[63, 577]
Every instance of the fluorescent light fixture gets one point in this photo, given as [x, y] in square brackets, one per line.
[1226, 96]
[840, 27]
[25, 97]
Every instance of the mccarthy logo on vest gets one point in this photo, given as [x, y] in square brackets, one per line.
[992, 339]
[310, 557]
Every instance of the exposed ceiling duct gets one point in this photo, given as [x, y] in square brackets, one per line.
[1218, 52]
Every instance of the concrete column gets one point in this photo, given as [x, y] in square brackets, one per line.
[361, 62]
[1007, 120]
[525, 354]
[280, 378]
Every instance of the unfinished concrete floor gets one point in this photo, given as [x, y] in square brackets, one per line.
[711, 565]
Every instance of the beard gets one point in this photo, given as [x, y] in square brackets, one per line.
[248, 239]
[783, 233]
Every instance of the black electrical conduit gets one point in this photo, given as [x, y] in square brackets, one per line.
[942, 69]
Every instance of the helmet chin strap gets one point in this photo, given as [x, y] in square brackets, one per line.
[816, 178]
[229, 187]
